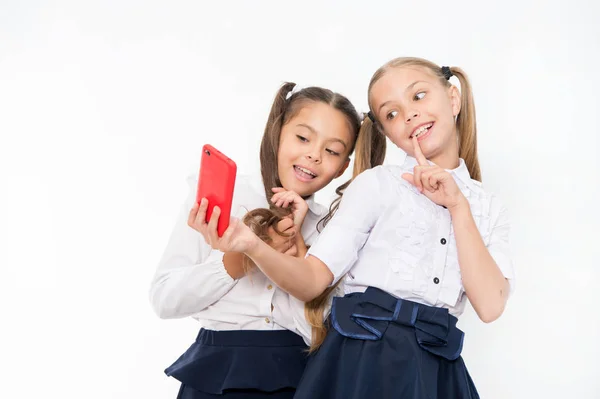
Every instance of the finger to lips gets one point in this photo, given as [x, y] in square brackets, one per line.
[418, 153]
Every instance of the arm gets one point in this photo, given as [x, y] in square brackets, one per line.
[303, 278]
[485, 285]
[334, 253]
[301, 246]
[190, 275]
[484, 282]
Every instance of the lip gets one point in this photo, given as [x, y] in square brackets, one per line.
[302, 176]
[418, 127]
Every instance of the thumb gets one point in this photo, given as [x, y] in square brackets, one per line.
[409, 178]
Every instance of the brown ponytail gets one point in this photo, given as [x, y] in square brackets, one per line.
[370, 147]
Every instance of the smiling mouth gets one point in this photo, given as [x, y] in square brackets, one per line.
[421, 130]
[304, 174]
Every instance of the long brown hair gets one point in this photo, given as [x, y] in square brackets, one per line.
[466, 125]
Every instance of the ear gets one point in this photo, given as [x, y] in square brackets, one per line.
[455, 100]
[343, 168]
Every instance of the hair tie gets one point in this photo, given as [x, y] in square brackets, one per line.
[371, 117]
[447, 72]
[295, 90]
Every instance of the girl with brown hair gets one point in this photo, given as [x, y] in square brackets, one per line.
[247, 347]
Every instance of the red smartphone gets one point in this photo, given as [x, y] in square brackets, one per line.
[216, 182]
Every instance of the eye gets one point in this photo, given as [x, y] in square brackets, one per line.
[391, 115]
[302, 139]
[332, 152]
[419, 96]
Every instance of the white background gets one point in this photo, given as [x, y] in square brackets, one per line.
[104, 107]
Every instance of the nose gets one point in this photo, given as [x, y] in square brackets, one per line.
[411, 115]
[313, 155]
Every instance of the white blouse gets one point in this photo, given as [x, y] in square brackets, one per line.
[388, 235]
[191, 279]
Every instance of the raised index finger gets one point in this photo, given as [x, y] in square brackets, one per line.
[418, 153]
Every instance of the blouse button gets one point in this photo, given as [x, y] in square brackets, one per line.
[269, 287]
[436, 280]
[267, 320]
[443, 241]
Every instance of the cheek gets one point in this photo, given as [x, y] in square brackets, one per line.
[284, 153]
[332, 168]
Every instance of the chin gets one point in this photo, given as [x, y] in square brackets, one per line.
[299, 188]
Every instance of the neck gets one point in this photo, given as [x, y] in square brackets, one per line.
[448, 157]
[450, 161]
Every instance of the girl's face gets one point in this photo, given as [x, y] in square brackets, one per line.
[313, 148]
[411, 102]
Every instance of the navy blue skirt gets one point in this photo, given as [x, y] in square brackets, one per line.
[241, 365]
[384, 347]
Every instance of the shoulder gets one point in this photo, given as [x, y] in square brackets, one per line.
[382, 180]
[378, 175]
[487, 203]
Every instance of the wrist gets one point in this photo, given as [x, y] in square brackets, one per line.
[254, 247]
[460, 207]
[299, 220]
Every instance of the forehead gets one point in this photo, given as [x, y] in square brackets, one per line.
[313, 110]
[394, 82]
[323, 118]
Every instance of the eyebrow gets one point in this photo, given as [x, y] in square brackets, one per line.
[410, 86]
[315, 132]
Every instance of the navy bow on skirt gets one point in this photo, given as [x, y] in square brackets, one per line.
[380, 346]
